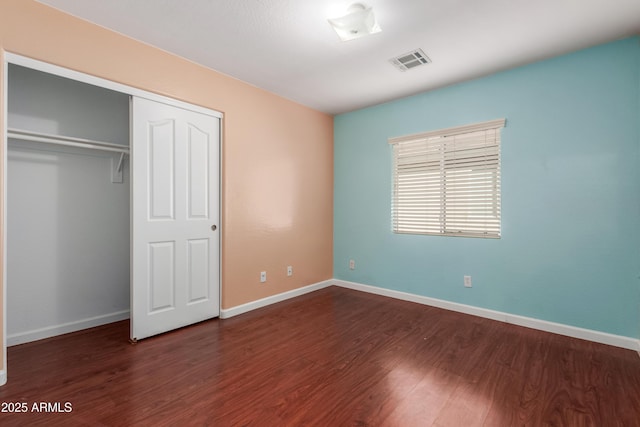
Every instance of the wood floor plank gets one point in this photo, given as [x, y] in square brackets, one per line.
[335, 357]
[424, 404]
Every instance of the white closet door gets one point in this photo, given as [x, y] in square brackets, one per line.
[175, 213]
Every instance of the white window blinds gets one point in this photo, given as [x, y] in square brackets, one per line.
[447, 182]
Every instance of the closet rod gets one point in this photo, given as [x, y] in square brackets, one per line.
[66, 141]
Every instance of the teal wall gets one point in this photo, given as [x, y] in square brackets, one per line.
[570, 246]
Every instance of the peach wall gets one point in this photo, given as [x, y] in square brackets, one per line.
[277, 163]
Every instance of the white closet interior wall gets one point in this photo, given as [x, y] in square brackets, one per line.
[67, 223]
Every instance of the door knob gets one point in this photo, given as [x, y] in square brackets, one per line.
[214, 227]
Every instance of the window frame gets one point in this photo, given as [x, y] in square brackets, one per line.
[447, 182]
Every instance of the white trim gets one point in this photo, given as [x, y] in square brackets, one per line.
[65, 328]
[3, 221]
[528, 322]
[220, 213]
[253, 305]
[104, 83]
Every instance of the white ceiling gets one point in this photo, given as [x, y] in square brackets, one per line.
[287, 46]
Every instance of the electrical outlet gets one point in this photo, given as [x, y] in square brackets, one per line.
[467, 281]
[352, 264]
[289, 271]
[263, 276]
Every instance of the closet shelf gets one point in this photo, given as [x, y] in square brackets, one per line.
[68, 141]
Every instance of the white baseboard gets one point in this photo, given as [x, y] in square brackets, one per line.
[51, 331]
[529, 322]
[239, 309]
[3, 377]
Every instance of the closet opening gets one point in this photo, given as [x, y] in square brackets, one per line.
[68, 205]
[112, 206]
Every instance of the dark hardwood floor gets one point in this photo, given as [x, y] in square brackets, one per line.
[335, 357]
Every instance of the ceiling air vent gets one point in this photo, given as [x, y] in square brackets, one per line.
[410, 60]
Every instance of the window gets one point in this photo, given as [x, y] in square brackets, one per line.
[447, 182]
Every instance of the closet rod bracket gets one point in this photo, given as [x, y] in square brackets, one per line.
[120, 163]
[116, 172]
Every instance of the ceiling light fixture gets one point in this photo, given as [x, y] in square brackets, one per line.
[359, 21]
